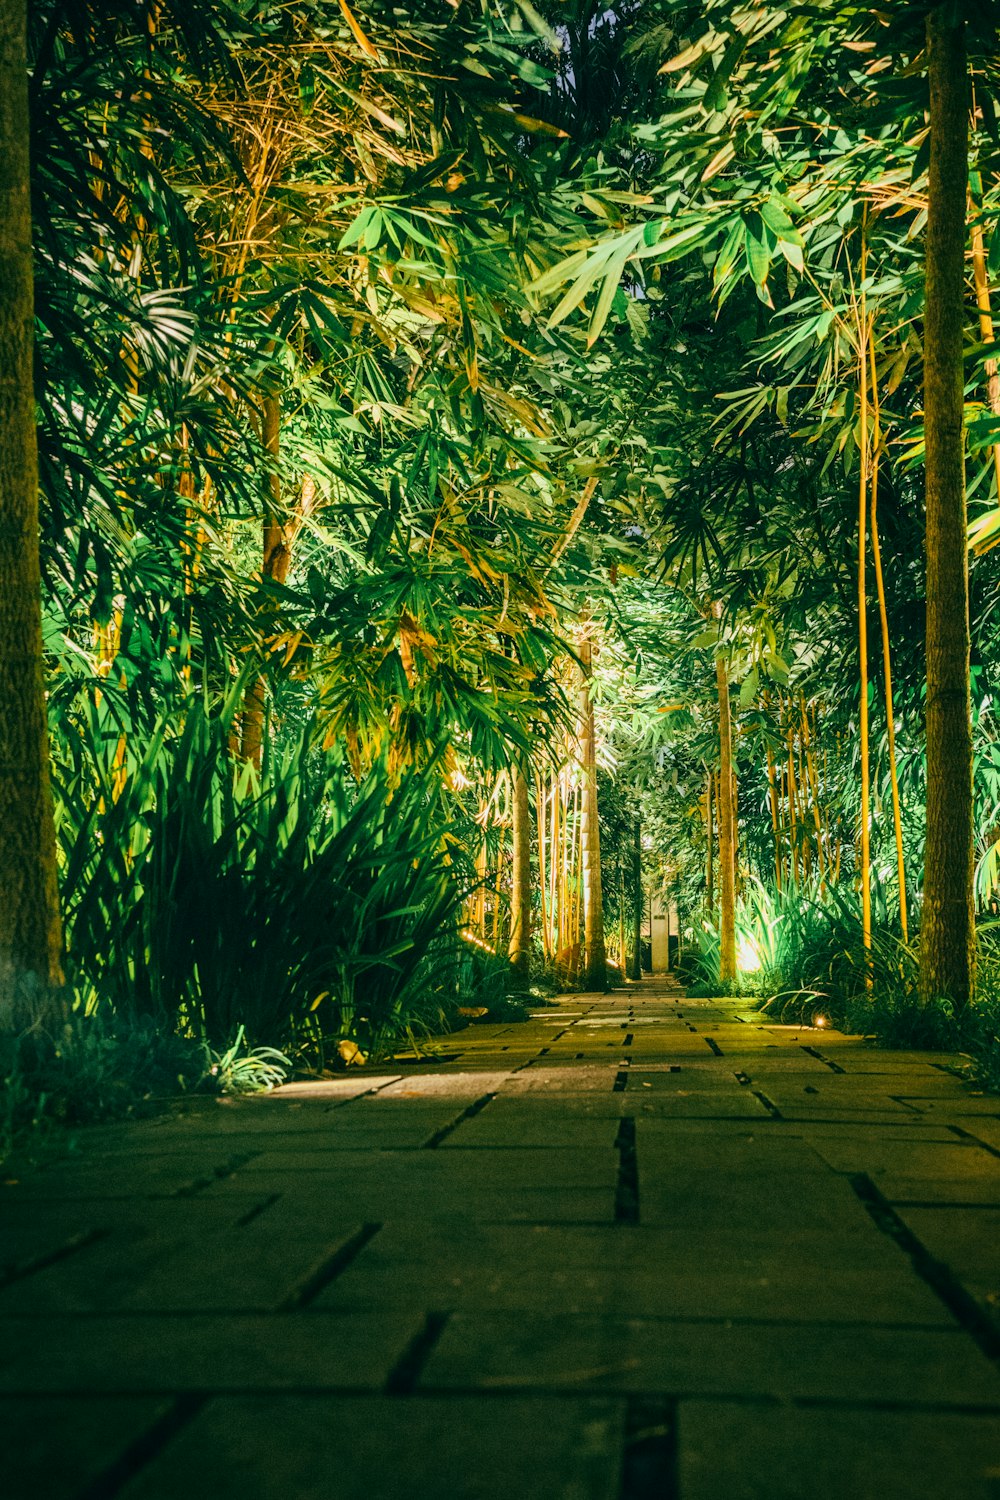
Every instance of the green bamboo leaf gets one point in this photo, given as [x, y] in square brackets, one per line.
[607, 296]
[758, 259]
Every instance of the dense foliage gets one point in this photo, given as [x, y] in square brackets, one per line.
[443, 411]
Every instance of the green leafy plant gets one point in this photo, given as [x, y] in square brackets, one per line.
[297, 904]
[242, 1069]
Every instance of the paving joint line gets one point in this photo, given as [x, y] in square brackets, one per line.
[17, 1270]
[627, 1185]
[218, 1174]
[901, 1099]
[650, 1458]
[431, 1392]
[368, 1093]
[834, 1067]
[147, 1446]
[938, 1276]
[257, 1210]
[469, 1113]
[403, 1377]
[967, 1135]
[333, 1266]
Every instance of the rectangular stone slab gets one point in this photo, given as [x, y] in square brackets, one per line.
[125, 1355]
[255, 1267]
[884, 1156]
[440, 1172]
[54, 1447]
[700, 1202]
[641, 1273]
[509, 1352]
[329, 1448]
[744, 1452]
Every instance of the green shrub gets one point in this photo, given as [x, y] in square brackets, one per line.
[297, 904]
[800, 950]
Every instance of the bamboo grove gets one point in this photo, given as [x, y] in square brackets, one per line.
[489, 469]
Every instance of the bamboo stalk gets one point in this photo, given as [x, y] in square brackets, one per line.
[577, 883]
[594, 951]
[986, 328]
[621, 916]
[727, 820]
[558, 863]
[540, 812]
[803, 785]
[864, 332]
[772, 797]
[897, 820]
[813, 784]
[710, 841]
[519, 948]
[792, 809]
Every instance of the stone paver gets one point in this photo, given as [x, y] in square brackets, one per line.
[638, 1246]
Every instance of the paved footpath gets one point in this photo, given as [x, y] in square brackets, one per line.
[638, 1247]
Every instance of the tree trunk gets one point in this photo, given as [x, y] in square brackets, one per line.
[635, 955]
[30, 934]
[727, 828]
[520, 889]
[595, 968]
[947, 929]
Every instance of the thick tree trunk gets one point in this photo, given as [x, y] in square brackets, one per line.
[947, 928]
[595, 969]
[727, 830]
[30, 935]
[638, 903]
[520, 892]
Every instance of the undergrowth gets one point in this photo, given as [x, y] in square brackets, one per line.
[806, 965]
[88, 1069]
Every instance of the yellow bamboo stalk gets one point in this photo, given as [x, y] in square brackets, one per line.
[792, 807]
[577, 875]
[827, 834]
[803, 790]
[772, 793]
[813, 781]
[542, 863]
[986, 329]
[864, 333]
[710, 842]
[555, 856]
